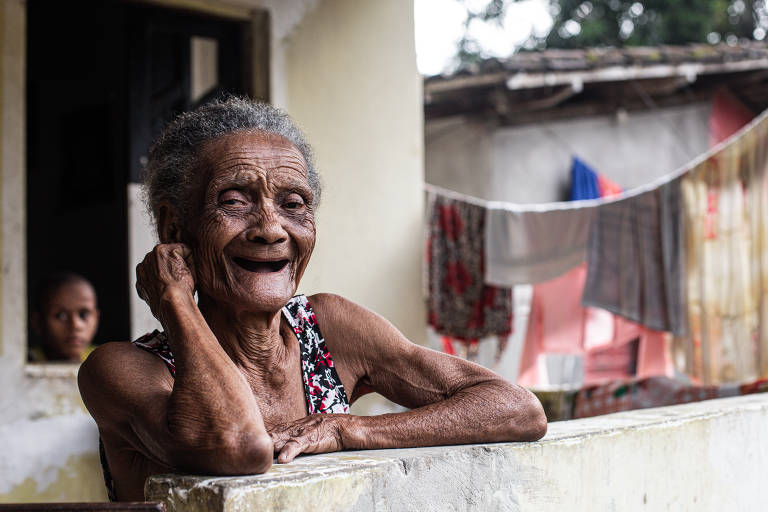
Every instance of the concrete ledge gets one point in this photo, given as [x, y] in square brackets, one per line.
[710, 455]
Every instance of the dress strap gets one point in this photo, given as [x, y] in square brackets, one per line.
[156, 342]
[322, 385]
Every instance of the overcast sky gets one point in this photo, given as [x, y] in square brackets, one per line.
[440, 24]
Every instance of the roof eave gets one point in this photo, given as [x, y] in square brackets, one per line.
[577, 78]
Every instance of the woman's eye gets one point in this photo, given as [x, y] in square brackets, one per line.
[293, 202]
[232, 198]
[84, 314]
[60, 316]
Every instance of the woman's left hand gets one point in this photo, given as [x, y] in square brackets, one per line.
[317, 433]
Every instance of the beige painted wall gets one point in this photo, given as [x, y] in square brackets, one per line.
[351, 82]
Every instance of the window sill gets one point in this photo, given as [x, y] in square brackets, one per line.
[51, 370]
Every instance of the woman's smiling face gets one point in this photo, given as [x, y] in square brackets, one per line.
[252, 236]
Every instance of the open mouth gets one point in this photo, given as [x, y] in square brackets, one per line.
[261, 267]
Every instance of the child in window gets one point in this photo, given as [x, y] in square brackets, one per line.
[65, 317]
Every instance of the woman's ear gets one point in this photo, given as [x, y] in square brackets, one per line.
[168, 224]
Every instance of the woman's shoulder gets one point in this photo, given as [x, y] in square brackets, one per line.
[116, 361]
[336, 308]
[109, 351]
[345, 319]
[330, 301]
[117, 380]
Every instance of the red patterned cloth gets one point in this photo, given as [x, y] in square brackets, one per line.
[460, 305]
[652, 392]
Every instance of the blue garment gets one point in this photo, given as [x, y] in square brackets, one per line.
[584, 182]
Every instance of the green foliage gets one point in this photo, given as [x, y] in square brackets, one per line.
[579, 23]
[591, 23]
[469, 51]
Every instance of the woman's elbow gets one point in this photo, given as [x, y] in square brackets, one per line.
[265, 454]
[527, 421]
[534, 419]
[254, 456]
[236, 454]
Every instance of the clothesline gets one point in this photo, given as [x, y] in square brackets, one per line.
[575, 205]
[685, 253]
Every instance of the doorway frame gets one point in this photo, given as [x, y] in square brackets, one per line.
[45, 389]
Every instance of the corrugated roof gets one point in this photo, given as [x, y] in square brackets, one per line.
[592, 59]
[557, 84]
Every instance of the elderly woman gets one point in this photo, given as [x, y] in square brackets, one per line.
[249, 371]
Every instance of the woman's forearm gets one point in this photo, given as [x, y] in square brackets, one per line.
[492, 411]
[212, 411]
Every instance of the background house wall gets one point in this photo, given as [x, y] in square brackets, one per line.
[531, 163]
[347, 73]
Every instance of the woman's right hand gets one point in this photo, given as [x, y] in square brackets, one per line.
[167, 268]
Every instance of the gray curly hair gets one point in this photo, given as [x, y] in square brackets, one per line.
[169, 175]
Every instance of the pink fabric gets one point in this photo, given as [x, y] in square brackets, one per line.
[558, 323]
[653, 355]
[614, 362]
[728, 116]
[654, 358]
[607, 187]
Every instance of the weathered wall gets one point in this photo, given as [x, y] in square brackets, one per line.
[706, 456]
[352, 83]
[50, 459]
[532, 163]
[47, 442]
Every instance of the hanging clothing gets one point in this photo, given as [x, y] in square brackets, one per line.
[556, 324]
[535, 244]
[606, 347]
[459, 303]
[584, 181]
[607, 187]
[726, 209]
[609, 347]
[728, 116]
[636, 259]
[633, 351]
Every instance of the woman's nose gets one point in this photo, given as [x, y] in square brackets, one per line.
[267, 229]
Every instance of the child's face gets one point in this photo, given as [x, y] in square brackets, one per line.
[70, 321]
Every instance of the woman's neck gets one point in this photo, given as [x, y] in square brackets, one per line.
[251, 339]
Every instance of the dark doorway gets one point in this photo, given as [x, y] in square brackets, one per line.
[103, 77]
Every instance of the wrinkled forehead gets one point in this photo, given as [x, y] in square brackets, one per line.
[244, 151]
